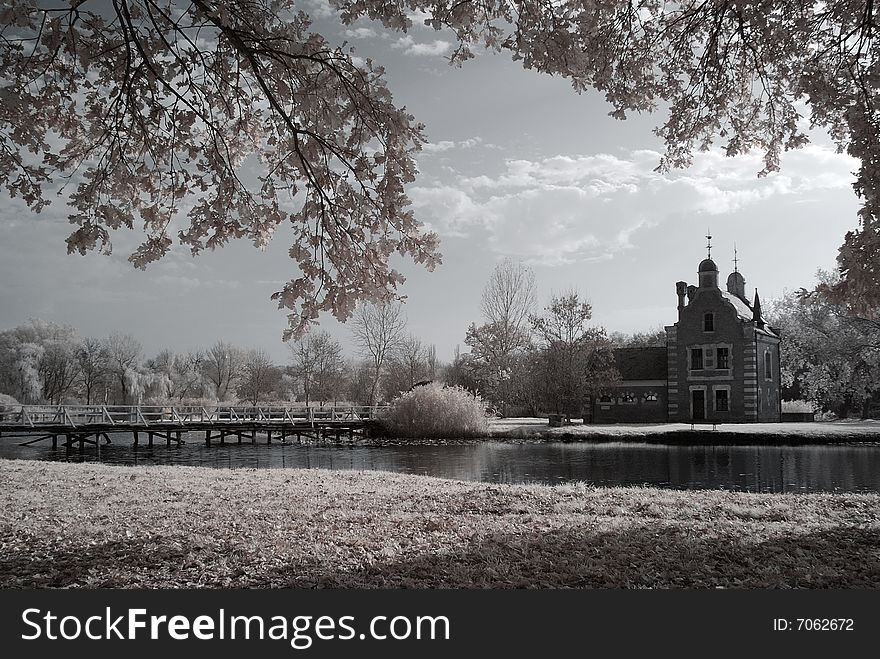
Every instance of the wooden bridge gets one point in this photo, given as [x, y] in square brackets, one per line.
[89, 424]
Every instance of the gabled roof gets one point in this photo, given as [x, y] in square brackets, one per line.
[743, 309]
[641, 363]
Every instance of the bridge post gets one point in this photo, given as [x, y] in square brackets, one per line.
[208, 438]
[268, 435]
[150, 439]
[135, 437]
[54, 441]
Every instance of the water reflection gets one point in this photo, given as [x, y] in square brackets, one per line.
[746, 468]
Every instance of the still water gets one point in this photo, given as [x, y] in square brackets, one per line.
[817, 468]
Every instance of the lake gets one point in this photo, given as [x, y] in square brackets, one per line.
[813, 468]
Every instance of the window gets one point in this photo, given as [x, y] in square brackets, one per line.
[605, 398]
[722, 403]
[722, 358]
[628, 398]
[696, 359]
[650, 397]
[709, 322]
[768, 368]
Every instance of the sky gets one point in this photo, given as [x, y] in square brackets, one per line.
[519, 166]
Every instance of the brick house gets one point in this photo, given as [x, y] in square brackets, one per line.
[721, 362]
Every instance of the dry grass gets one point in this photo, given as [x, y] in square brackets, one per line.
[86, 525]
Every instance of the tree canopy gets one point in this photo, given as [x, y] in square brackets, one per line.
[149, 108]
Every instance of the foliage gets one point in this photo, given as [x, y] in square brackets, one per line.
[575, 362]
[155, 105]
[653, 338]
[38, 362]
[434, 410]
[829, 354]
[738, 72]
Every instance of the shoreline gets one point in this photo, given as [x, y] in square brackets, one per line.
[99, 526]
[817, 432]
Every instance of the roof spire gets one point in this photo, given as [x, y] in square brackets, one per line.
[735, 261]
[709, 243]
[756, 311]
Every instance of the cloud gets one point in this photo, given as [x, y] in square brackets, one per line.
[564, 209]
[361, 33]
[447, 145]
[411, 47]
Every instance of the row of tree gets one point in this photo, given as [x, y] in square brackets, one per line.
[830, 351]
[43, 362]
[519, 359]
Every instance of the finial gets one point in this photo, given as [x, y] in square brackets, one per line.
[709, 244]
[735, 261]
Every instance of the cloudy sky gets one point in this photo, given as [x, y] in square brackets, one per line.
[518, 166]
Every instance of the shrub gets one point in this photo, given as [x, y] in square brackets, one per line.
[433, 410]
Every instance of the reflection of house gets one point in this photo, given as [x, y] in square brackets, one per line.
[720, 363]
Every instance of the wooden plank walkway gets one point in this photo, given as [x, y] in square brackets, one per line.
[89, 424]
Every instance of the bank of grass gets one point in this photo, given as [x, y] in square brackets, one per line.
[834, 432]
[85, 525]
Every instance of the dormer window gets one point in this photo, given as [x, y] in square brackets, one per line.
[709, 322]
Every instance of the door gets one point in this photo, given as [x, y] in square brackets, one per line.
[698, 405]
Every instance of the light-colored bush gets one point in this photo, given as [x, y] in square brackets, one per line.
[797, 406]
[7, 400]
[433, 410]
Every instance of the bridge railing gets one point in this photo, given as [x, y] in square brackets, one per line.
[83, 415]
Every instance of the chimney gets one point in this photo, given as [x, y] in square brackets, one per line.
[681, 291]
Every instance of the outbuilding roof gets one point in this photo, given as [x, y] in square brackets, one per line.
[647, 363]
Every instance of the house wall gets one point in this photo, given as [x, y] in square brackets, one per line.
[629, 403]
[690, 334]
[768, 395]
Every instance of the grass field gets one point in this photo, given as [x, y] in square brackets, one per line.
[87, 525]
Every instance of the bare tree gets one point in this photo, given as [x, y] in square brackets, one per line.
[328, 367]
[303, 363]
[259, 377]
[508, 300]
[223, 363]
[123, 355]
[431, 361]
[94, 367]
[378, 330]
[407, 366]
[576, 360]
[509, 297]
